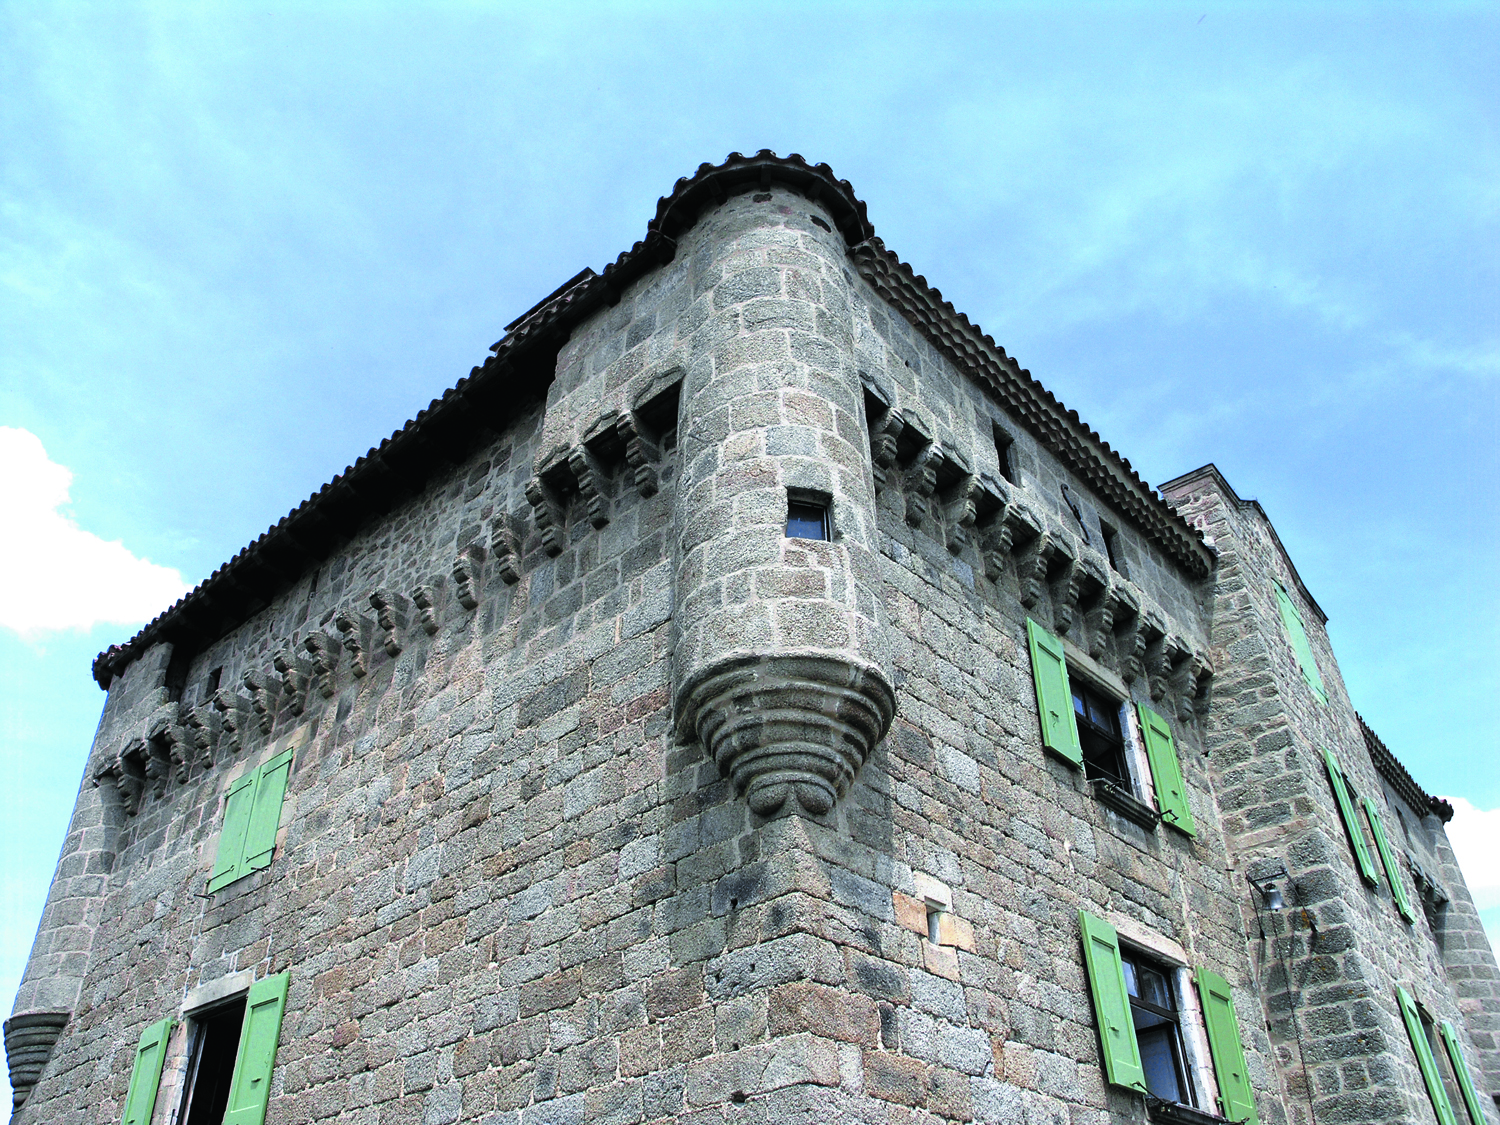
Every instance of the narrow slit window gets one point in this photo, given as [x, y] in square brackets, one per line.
[806, 517]
[1111, 537]
[1004, 450]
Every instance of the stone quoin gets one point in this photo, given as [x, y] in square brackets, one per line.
[749, 695]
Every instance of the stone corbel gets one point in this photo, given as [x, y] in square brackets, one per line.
[165, 731]
[128, 781]
[296, 673]
[1190, 683]
[132, 775]
[1099, 618]
[921, 483]
[1032, 565]
[961, 513]
[885, 437]
[548, 515]
[262, 690]
[1163, 650]
[157, 756]
[593, 484]
[356, 630]
[390, 611]
[1128, 625]
[1065, 576]
[468, 575]
[234, 718]
[641, 453]
[505, 542]
[324, 651]
[426, 600]
[1082, 587]
[204, 724]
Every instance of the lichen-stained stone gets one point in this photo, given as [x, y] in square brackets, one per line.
[610, 801]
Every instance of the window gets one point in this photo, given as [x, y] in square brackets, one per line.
[1153, 1012]
[215, 1039]
[1388, 861]
[231, 1055]
[1297, 633]
[806, 516]
[252, 815]
[1112, 549]
[1432, 1078]
[1004, 453]
[1140, 1004]
[1342, 798]
[1103, 745]
[1089, 730]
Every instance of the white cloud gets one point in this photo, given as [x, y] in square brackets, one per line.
[54, 575]
[1475, 836]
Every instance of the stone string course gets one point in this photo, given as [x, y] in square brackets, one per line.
[512, 885]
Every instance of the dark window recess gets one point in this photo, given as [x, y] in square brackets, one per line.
[1004, 453]
[819, 222]
[177, 672]
[1154, 1011]
[1440, 1058]
[806, 517]
[1099, 732]
[213, 681]
[1111, 537]
[216, 1038]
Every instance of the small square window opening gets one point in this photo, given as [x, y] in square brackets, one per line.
[215, 1040]
[807, 518]
[1155, 1011]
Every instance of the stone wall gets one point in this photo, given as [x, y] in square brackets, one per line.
[1329, 965]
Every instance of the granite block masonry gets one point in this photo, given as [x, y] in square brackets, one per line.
[750, 696]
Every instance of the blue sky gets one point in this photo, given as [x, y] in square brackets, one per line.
[238, 247]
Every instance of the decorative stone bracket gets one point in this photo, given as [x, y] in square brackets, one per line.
[356, 629]
[505, 542]
[262, 688]
[325, 659]
[425, 598]
[787, 727]
[234, 718]
[296, 674]
[468, 575]
[390, 611]
[29, 1039]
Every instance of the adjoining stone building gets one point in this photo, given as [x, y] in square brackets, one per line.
[750, 696]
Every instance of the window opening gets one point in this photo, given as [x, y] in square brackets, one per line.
[213, 681]
[1003, 452]
[1111, 537]
[934, 924]
[1099, 731]
[216, 1039]
[1154, 1011]
[806, 517]
[1440, 1056]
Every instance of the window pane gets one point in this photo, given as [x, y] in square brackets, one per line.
[1159, 1061]
[806, 521]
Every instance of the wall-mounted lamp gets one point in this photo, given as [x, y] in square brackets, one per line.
[1271, 884]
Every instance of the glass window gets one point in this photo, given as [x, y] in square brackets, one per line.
[1099, 731]
[806, 519]
[1154, 1011]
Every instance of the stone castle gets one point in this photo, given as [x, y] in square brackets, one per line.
[751, 696]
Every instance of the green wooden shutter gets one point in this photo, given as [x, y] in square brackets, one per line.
[1054, 699]
[1461, 1072]
[145, 1075]
[1166, 771]
[1388, 860]
[1300, 645]
[1236, 1098]
[250, 1088]
[1101, 954]
[265, 812]
[1346, 810]
[229, 864]
[1425, 1062]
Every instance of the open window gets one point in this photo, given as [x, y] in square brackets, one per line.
[225, 1078]
[1155, 1012]
[213, 1041]
[1091, 729]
